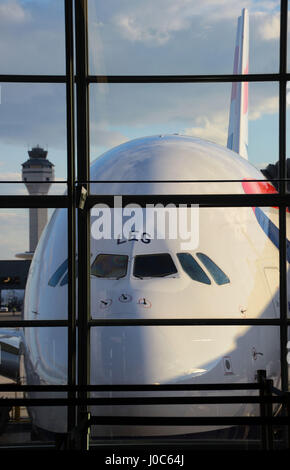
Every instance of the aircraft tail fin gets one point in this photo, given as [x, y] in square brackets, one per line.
[238, 123]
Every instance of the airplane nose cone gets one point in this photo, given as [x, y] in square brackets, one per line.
[132, 355]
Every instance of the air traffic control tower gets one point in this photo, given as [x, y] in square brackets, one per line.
[37, 174]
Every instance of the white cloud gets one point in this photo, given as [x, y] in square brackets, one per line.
[214, 129]
[101, 135]
[153, 22]
[11, 215]
[156, 22]
[269, 105]
[13, 176]
[12, 12]
[267, 25]
[214, 125]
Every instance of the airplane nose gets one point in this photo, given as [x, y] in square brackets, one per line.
[132, 355]
[123, 355]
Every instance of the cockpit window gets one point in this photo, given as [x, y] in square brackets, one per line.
[110, 266]
[219, 276]
[192, 268]
[157, 265]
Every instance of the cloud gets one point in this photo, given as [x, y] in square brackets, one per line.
[101, 135]
[214, 125]
[186, 31]
[268, 105]
[267, 25]
[214, 129]
[11, 215]
[12, 12]
[156, 22]
[139, 24]
[32, 37]
[13, 176]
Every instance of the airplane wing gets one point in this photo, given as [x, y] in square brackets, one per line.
[238, 122]
[10, 349]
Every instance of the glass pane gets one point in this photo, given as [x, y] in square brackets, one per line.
[237, 275]
[163, 37]
[33, 138]
[32, 37]
[33, 241]
[178, 132]
[179, 355]
[32, 356]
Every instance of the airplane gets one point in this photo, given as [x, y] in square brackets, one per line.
[232, 271]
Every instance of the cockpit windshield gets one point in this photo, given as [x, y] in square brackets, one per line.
[110, 266]
[219, 276]
[154, 265]
[195, 271]
[192, 268]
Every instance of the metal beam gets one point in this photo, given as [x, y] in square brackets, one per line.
[83, 219]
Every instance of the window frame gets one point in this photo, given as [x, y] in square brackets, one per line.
[111, 278]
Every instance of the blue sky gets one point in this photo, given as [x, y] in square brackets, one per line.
[134, 37]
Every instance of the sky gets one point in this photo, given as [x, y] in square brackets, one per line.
[130, 37]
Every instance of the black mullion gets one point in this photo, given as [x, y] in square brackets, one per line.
[221, 200]
[208, 200]
[71, 232]
[23, 202]
[16, 78]
[32, 323]
[83, 223]
[282, 192]
[269, 77]
[12, 387]
[185, 322]
[5, 78]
